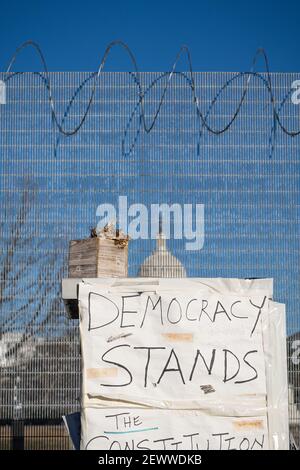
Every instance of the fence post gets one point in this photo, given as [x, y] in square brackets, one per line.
[18, 434]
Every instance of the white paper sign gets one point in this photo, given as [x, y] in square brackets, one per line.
[143, 429]
[155, 347]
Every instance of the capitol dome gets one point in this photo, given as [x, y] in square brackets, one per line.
[161, 263]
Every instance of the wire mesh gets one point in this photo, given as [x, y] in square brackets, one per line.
[51, 186]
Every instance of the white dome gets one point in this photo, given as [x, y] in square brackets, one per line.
[161, 263]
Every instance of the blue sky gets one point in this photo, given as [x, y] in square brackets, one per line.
[222, 35]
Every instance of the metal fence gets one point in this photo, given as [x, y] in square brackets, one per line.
[50, 187]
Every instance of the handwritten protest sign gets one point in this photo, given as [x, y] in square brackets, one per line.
[145, 429]
[170, 364]
[158, 347]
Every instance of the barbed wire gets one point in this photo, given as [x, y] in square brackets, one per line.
[202, 117]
